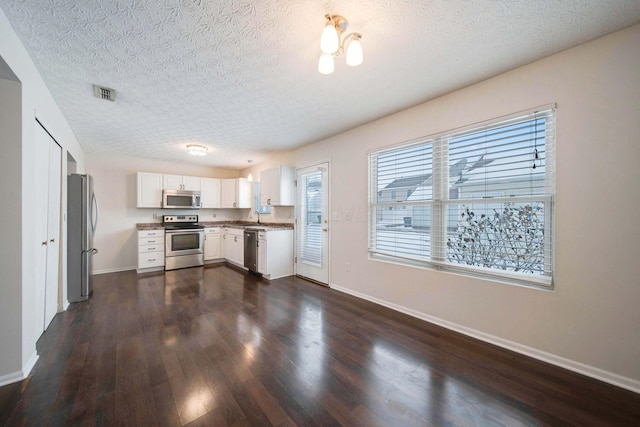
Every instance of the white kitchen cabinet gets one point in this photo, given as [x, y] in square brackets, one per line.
[235, 193]
[181, 182]
[210, 193]
[277, 186]
[275, 253]
[212, 243]
[150, 250]
[262, 254]
[233, 245]
[150, 187]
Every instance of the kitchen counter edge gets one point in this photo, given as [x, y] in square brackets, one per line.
[207, 224]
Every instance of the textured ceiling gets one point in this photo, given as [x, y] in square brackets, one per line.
[241, 76]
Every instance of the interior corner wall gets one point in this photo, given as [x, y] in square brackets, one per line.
[590, 321]
[115, 186]
[36, 101]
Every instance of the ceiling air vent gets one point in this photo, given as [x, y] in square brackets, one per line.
[104, 93]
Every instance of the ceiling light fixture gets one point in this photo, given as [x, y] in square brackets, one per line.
[197, 150]
[331, 45]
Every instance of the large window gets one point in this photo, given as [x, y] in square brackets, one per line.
[476, 200]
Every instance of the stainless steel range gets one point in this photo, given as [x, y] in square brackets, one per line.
[184, 241]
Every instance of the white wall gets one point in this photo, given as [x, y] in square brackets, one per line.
[591, 321]
[36, 102]
[115, 187]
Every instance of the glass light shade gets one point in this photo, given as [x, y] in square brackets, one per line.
[329, 41]
[196, 150]
[326, 64]
[354, 52]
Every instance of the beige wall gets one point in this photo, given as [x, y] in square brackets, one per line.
[591, 321]
[115, 187]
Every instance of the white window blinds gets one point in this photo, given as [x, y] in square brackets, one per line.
[476, 200]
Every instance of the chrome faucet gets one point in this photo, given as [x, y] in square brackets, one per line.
[258, 213]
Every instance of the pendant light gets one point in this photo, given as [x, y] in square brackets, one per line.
[331, 45]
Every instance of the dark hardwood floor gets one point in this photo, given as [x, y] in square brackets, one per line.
[220, 347]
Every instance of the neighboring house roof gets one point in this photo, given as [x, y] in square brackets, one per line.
[412, 181]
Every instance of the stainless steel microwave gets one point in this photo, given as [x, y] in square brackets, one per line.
[180, 199]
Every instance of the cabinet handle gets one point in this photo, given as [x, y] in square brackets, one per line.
[325, 229]
[151, 259]
[44, 243]
[235, 238]
[52, 240]
[151, 241]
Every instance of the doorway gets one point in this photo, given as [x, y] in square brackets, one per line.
[312, 223]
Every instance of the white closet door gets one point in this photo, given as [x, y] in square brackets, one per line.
[53, 231]
[48, 189]
[41, 198]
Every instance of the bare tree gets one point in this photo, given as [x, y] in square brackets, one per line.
[510, 239]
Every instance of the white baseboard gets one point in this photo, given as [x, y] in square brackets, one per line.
[113, 270]
[16, 376]
[11, 378]
[26, 369]
[581, 368]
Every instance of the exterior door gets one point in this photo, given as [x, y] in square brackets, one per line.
[312, 223]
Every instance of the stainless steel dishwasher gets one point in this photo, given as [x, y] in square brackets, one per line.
[251, 250]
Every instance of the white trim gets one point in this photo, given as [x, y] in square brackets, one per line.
[11, 378]
[26, 369]
[581, 368]
[20, 375]
[113, 270]
[66, 305]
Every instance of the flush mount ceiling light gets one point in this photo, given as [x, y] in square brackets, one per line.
[331, 45]
[196, 150]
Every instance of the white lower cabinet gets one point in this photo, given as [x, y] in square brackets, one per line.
[262, 253]
[212, 244]
[150, 250]
[233, 245]
[275, 253]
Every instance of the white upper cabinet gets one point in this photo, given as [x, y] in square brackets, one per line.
[235, 193]
[215, 193]
[210, 193]
[277, 186]
[180, 182]
[149, 190]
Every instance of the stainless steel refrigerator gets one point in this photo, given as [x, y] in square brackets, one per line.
[82, 219]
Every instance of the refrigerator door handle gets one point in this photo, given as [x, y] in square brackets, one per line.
[94, 213]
